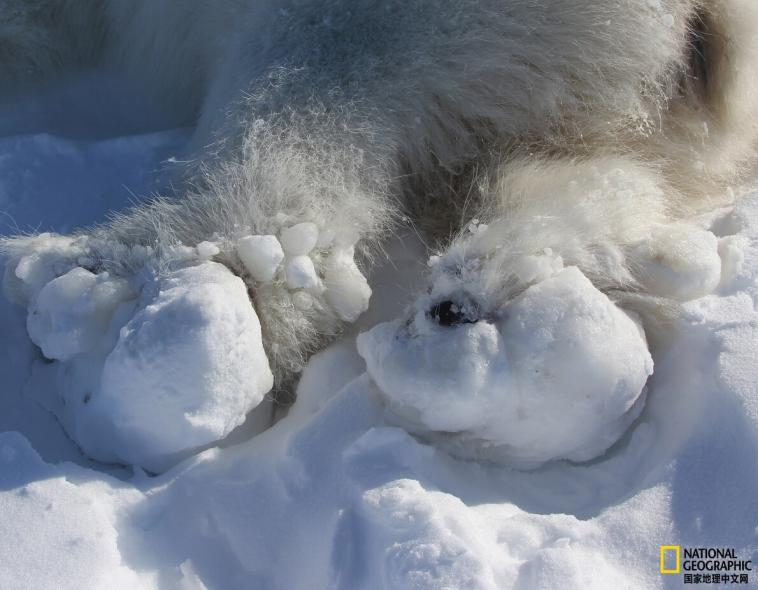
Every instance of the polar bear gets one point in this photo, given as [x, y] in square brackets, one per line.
[528, 141]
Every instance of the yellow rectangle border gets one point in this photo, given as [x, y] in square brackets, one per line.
[677, 550]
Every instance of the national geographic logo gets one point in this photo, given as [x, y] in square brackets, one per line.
[705, 565]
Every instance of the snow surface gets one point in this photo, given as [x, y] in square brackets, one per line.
[335, 495]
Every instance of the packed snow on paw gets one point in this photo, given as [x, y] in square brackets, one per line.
[185, 370]
[71, 313]
[149, 380]
[558, 373]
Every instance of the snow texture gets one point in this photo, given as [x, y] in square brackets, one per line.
[186, 370]
[557, 376]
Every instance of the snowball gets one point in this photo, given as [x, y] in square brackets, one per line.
[557, 377]
[347, 290]
[680, 261]
[300, 239]
[207, 250]
[185, 371]
[261, 256]
[71, 313]
[299, 273]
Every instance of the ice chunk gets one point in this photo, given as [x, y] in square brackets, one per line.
[347, 290]
[261, 256]
[71, 313]
[299, 239]
[300, 273]
[186, 370]
[557, 376]
[207, 250]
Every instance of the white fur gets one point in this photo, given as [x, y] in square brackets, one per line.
[573, 125]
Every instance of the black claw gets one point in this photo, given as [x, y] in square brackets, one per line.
[448, 313]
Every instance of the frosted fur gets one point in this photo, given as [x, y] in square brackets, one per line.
[574, 125]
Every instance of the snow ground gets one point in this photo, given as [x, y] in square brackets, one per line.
[334, 496]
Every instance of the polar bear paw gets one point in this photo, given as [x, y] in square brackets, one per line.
[168, 356]
[186, 369]
[558, 372]
[148, 369]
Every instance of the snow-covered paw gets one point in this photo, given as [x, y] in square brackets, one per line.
[153, 367]
[558, 372]
[150, 372]
[185, 371]
[310, 263]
